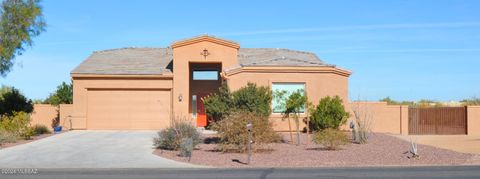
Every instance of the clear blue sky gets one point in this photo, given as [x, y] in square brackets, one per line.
[407, 50]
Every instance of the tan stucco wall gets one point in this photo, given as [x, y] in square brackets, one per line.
[184, 55]
[82, 84]
[317, 86]
[43, 114]
[66, 111]
[473, 116]
[384, 118]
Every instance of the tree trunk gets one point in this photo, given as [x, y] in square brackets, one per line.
[290, 129]
[308, 130]
[297, 122]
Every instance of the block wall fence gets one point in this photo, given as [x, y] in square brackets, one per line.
[384, 118]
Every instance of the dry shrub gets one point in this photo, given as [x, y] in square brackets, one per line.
[363, 120]
[234, 136]
[17, 124]
[40, 129]
[171, 137]
[6, 137]
[331, 139]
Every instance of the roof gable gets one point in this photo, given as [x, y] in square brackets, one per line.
[204, 38]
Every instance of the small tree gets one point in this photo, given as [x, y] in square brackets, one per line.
[21, 20]
[329, 113]
[62, 95]
[294, 105]
[12, 100]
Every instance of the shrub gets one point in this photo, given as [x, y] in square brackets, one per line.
[253, 99]
[234, 136]
[171, 137]
[329, 113]
[331, 139]
[28, 133]
[11, 100]
[40, 129]
[218, 106]
[363, 120]
[17, 124]
[6, 137]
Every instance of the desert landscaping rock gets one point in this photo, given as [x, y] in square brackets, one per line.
[382, 150]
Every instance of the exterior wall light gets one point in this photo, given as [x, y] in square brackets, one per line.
[180, 98]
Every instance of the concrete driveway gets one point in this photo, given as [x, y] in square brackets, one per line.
[88, 149]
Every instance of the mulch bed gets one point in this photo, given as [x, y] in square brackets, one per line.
[23, 141]
[381, 150]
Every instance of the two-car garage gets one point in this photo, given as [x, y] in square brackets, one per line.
[128, 109]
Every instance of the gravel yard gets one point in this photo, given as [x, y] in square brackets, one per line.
[382, 150]
[23, 141]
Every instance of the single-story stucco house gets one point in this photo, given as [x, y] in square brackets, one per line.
[144, 88]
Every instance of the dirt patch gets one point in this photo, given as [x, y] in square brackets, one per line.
[382, 150]
[22, 141]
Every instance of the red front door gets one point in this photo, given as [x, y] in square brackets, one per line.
[201, 114]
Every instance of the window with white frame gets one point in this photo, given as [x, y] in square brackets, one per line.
[278, 102]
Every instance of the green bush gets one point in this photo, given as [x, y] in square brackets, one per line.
[40, 129]
[171, 137]
[28, 133]
[11, 100]
[329, 113]
[234, 136]
[251, 99]
[331, 139]
[17, 124]
[218, 106]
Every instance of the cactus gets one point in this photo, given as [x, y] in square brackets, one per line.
[414, 150]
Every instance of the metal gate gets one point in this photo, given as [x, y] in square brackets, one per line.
[437, 120]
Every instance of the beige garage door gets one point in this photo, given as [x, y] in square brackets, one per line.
[128, 109]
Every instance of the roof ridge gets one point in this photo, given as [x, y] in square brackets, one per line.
[205, 35]
[285, 49]
[125, 48]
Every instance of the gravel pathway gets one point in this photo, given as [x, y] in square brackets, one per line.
[382, 150]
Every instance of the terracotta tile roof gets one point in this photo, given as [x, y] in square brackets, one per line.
[153, 61]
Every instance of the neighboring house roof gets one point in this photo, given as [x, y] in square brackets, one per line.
[155, 61]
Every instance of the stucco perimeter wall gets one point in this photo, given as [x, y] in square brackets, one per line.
[384, 118]
[473, 117]
[317, 86]
[43, 114]
[81, 85]
[66, 111]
